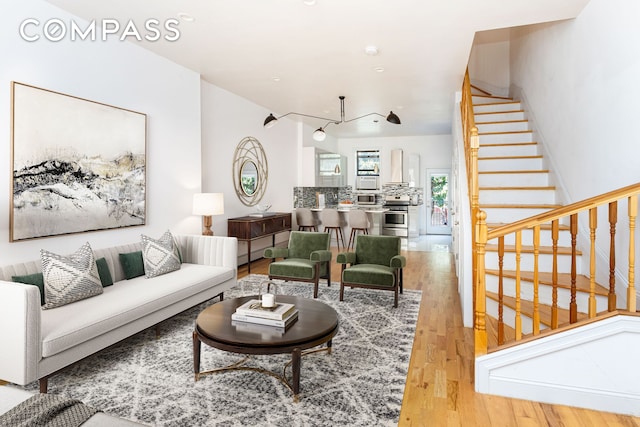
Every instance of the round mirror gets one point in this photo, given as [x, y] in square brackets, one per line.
[250, 171]
[249, 177]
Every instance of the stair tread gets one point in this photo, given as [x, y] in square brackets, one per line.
[486, 94]
[505, 133]
[526, 309]
[515, 171]
[562, 250]
[536, 156]
[483, 113]
[519, 206]
[505, 144]
[497, 103]
[583, 283]
[518, 188]
[502, 122]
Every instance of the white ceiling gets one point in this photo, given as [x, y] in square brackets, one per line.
[317, 52]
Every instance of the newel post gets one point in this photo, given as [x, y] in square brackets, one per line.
[480, 324]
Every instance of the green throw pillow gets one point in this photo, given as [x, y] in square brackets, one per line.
[132, 264]
[104, 273]
[36, 279]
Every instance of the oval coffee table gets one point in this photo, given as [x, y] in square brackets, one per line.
[317, 324]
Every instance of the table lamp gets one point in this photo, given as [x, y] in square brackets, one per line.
[207, 205]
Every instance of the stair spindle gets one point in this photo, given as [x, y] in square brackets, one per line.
[631, 290]
[555, 232]
[573, 306]
[518, 302]
[500, 290]
[593, 224]
[536, 279]
[613, 219]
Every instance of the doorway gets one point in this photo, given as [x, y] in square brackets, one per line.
[437, 201]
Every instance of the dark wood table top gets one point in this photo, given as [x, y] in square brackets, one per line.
[317, 323]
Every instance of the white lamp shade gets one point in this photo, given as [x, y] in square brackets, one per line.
[208, 204]
[319, 135]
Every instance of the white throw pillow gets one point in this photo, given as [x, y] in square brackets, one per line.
[160, 255]
[69, 278]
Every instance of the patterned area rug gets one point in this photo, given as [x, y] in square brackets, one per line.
[361, 383]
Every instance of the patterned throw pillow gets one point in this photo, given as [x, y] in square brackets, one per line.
[160, 256]
[69, 278]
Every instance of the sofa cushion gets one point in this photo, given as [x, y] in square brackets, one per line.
[69, 278]
[132, 264]
[35, 279]
[124, 302]
[103, 272]
[160, 255]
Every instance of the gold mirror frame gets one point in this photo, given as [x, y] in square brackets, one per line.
[249, 150]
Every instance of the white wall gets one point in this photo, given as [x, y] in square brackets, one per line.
[489, 62]
[435, 152]
[226, 120]
[580, 79]
[118, 74]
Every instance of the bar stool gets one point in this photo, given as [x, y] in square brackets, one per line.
[359, 221]
[331, 221]
[305, 220]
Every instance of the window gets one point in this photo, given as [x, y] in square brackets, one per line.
[368, 163]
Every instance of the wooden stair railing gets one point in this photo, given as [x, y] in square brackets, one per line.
[569, 213]
[480, 235]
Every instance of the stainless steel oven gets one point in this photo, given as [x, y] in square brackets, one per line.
[396, 219]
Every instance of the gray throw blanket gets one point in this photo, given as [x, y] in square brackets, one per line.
[47, 410]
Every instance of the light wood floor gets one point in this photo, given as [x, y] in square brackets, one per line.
[439, 390]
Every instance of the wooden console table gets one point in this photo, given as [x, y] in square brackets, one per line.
[249, 228]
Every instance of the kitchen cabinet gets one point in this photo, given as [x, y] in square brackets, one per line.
[414, 223]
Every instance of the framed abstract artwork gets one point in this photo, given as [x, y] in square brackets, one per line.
[77, 165]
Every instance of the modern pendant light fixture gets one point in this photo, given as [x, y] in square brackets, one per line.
[319, 134]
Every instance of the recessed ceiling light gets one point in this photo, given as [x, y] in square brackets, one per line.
[309, 2]
[378, 69]
[186, 17]
[371, 50]
[275, 79]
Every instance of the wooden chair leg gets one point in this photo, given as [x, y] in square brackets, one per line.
[44, 384]
[329, 273]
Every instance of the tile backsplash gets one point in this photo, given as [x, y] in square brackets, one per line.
[305, 197]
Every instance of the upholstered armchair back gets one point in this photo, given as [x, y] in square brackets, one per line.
[376, 249]
[302, 243]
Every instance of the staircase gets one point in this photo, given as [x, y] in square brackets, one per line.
[513, 185]
[543, 330]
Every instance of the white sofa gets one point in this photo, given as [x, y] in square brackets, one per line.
[37, 343]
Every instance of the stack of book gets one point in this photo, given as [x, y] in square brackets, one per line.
[282, 315]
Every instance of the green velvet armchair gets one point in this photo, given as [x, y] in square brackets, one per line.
[306, 259]
[375, 264]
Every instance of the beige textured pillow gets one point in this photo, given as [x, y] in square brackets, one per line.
[160, 255]
[69, 278]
